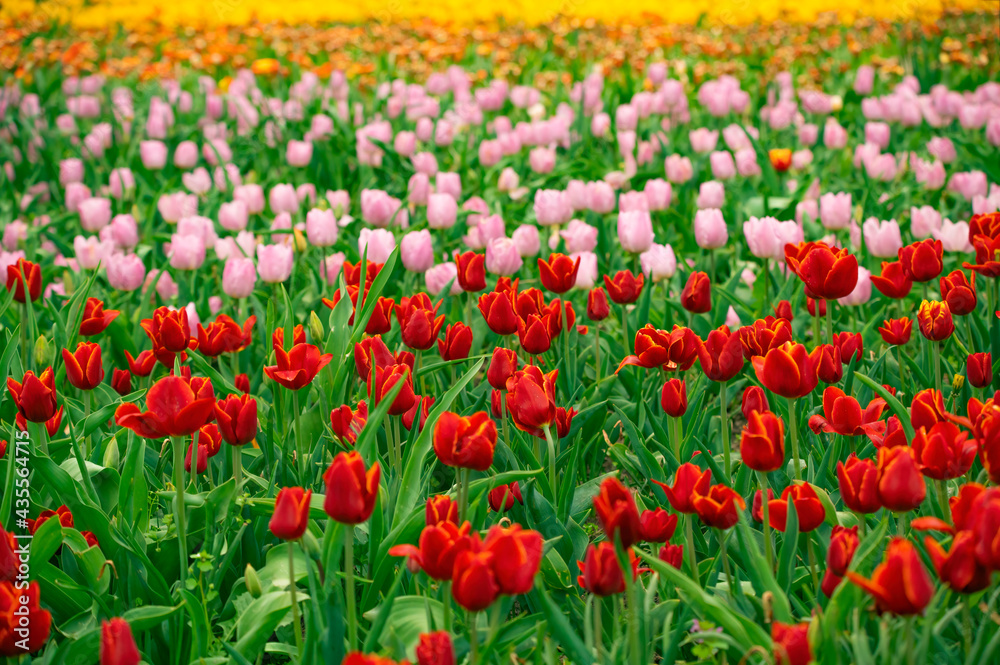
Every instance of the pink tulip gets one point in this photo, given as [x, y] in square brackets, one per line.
[95, 213]
[186, 155]
[882, 238]
[710, 231]
[75, 194]
[405, 143]
[632, 201]
[864, 80]
[551, 207]
[153, 154]
[448, 183]
[125, 271]
[877, 133]
[969, 184]
[835, 210]
[703, 140]
[635, 231]
[600, 197]
[123, 231]
[508, 180]
[711, 194]
[658, 193]
[834, 135]
[924, 221]
[174, 207]
[930, 174]
[808, 134]
[762, 238]
[70, 171]
[942, 148]
[746, 163]
[321, 227]
[282, 198]
[329, 270]
[527, 240]
[227, 176]
[993, 131]
[339, 200]
[954, 236]
[416, 250]
[418, 190]
[579, 236]
[233, 216]
[722, 165]
[187, 252]
[586, 274]
[197, 181]
[862, 293]
[442, 211]
[91, 251]
[274, 262]
[732, 318]
[252, 196]
[658, 262]
[438, 277]
[490, 153]
[239, 277]
[379, 243]
[503, 257]
[679, 169]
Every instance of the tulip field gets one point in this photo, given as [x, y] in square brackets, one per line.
[500, 343]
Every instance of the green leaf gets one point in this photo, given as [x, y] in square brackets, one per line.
[560, 627]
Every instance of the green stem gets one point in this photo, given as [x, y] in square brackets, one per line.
[296, 621]
[598, 631]
[902, 525]
[724, 423]
[767, 522]
[553, 478]
[812, 563]
[473, 639]
[942, 487]
[628, 345]
[597, 353]
[633, 603]
[936, 355]
[352, 616]
[794, 432]
[689, 537]
[829, 320]
[180, 516]
[298, 438]
[463, 494]
[724, 536]
[446, 603]
[238, 467]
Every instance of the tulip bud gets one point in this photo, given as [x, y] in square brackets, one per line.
[111, 455]
[957, 382]
[252, 582]
[300, 240]
[315, 327]
[44, 352]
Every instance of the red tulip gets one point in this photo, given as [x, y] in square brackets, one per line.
[979, 369]
[893, 282]
[534, 335]
[385, 379]
[842, 415]
[828, 273]
[697, 294]
[900, 584]
[787, 370]
[223, 335]
[497, 308]
[651, 348]
[783, 310]
[935, 320]
[297, 368]
[780, 158]
[721, 355]
[617, 513]
[851, 346]
[435, 649]
[624, 288]
[843, 544]
[597, 304]
[987, 250]
[237, 419]
[927, 409]
[753, 400]
[371, 352]
[358, 658]
[808, 508]
[61, 514]
[601, 572]
[347, 423]
[673, 398]
[501, 498]
[35, 396]
[763, 335]
[656, 526]
[83, 366]
[440, 508]
[117, 644]
[987, 528]
[900, 486]
[558, 272]
[517, 555]
[959, 292]
[465, 443]
[896, 331]
[143, 365]
[173, 408]
[278, 336]
[829, 364]
[923, 260]
[672, 554]
[762, 443]
[815, 306]
[351, 489]
[943, 451]
[24, 624]
[21, 273]
[503, 364]
[419, 322]
[439, 546]
[958, 567]
[121, 381]
[242, 383]
[858, 481]
[689, 482]
[95, 318]
[719, 507]
[473, 583]
[531, 399]
[471, 271]
[169, 330]
[791, 643]
[456, 343]
[291, 513]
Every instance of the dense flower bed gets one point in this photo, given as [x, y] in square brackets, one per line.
[309, 363]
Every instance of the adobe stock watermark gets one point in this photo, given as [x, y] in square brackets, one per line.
[19, 457]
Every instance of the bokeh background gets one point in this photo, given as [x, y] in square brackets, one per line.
[94, 13]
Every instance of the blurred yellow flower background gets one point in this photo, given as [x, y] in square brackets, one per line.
[94, 13]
